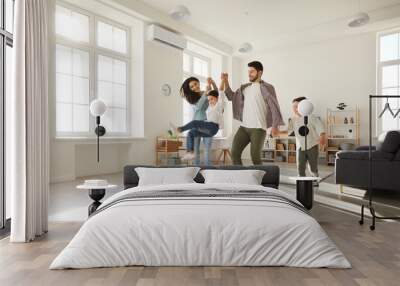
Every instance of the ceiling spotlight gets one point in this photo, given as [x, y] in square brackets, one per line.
[245, 48]
[179, 13]
[358, 20]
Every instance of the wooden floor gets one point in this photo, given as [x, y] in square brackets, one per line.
[375, 257]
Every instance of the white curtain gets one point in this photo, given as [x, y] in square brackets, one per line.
[27, 123]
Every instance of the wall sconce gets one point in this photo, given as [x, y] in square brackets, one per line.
[97, 109]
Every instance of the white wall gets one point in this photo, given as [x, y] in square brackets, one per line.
[329, 72]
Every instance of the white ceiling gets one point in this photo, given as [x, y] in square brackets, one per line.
[269, 24]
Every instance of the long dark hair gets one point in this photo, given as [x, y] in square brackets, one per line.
[191, 96]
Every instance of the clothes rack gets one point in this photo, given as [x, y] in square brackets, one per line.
[370, 168]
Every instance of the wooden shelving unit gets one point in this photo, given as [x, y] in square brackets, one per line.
[279, 149]
[341, 126]
[167, 151]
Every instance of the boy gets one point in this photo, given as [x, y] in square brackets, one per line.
[199, 128]
[315, 137]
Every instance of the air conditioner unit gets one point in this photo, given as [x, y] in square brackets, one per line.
[159, 34]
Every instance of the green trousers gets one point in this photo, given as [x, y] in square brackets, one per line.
[311, 158]
[244, 136]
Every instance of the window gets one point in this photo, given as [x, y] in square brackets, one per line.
[6, 68]
[92, 61]
[388, 78]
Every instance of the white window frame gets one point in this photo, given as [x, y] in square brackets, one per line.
[379, 67]
[94, 51]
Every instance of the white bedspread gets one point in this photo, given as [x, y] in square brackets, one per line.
[200, 231]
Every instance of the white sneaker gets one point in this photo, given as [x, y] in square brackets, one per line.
[188, 157]
[173, 128]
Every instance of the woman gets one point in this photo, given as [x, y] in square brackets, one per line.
[190, 90]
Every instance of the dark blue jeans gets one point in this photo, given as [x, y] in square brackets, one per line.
[198, 128]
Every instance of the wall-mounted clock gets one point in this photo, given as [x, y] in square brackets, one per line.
[166, 89]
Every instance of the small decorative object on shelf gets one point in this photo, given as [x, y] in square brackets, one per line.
[342, 126]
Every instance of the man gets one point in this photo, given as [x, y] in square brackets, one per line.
[315, 138]
[256, 106]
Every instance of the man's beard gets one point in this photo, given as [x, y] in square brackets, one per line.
[254, 79]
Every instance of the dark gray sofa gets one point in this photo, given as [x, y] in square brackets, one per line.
[352, 167]
[270, 179]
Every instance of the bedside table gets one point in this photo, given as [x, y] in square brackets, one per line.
[96, 193]
[305, 190]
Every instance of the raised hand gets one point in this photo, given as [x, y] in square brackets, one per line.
[224, 77]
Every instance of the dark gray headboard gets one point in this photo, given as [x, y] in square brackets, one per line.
[270, 179]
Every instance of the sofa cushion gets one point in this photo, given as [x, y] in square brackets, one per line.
[364, 155]
[391, 143]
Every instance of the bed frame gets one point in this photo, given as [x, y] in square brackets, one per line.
[270, 179]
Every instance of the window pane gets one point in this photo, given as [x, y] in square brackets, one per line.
[111, 37]
[105, 92]
[197, 66]
[81, 63]
[9, 15]
[119, 72]
[119, 95]
[72, 25]
[105, 68]
[64, 88]
[200, 67]
[390, 76]
[64, 117]
[186, 63]
[81, 90]
[204, 69]
[80, 27]
[72, 87]
[389, 47]
[119, 40]
[118, 120]
[81, 118]
[104, 35]
[63, 59]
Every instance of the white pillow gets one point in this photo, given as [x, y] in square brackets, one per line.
[248, 177]
[166, 176]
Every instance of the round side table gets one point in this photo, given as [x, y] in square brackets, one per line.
[305, 190]
[96, 193]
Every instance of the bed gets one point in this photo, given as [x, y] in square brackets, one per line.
[197, 224]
